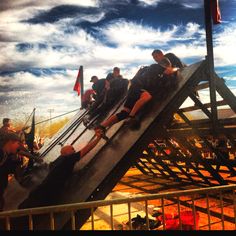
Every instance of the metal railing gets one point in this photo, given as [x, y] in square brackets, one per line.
[191, 198]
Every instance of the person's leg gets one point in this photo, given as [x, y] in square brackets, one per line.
[144, 98]
[132, 97]
[116, 118]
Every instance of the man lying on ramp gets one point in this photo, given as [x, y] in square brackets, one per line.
[145, 84]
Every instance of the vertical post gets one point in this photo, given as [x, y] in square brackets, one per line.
[81, 83]
[210, 61]
[50, 119]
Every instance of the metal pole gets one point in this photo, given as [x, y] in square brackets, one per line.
[50, 119]
[210, 62]
[81, 82]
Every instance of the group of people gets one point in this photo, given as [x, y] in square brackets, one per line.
[140, 90]
[10, 145]
[11, 150]
[105, 93]
[144, 85]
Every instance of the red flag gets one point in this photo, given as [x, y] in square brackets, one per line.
[77, 83]
[215, 11]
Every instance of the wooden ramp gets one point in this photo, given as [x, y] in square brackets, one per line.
[99, 171]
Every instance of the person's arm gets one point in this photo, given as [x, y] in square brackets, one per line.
[170, 70]
[90, 145]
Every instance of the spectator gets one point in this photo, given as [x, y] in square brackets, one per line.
[7, 126]
[9, 161]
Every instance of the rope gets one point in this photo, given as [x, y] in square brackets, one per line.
[53, 117]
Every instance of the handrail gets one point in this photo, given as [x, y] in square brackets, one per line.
[84, 205]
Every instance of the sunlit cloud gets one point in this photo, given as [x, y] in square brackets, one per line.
[184, 3]
[60, 47]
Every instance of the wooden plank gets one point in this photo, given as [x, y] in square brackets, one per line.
[201, 86]
[206, 105]
[204, 132]
[228, 122]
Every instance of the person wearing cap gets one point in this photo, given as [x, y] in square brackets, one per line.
[143, 87]
[108, 93]
[48, 191]
[9, 147]
[99, 86]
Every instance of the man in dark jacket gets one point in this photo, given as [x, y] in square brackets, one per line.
[6, 126]
[99, 87]
[114, 75]
[109, 92]
[9, 161]
[158, 55]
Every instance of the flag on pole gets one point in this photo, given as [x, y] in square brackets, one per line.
[77, 82]
[215, 12]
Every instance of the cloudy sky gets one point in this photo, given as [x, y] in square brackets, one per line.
[43, 43]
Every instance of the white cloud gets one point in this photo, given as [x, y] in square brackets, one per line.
[149, 2]
[224, 49]
[6, 4]
[132, 34]
[134, 44]
[28, 91]
[184, 3]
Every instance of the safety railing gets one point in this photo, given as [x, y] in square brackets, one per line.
[210, 202]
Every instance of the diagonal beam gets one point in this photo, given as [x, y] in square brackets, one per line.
[225, 93]
[200, 105]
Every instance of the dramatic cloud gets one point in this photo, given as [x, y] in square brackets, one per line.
[43, 43]
[19, 4]
[185, 3]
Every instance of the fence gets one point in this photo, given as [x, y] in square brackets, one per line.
[224, 196]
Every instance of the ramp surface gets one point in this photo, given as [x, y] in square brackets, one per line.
[97, 173]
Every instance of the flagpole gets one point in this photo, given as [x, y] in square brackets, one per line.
[210, 62]
[81, 83]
